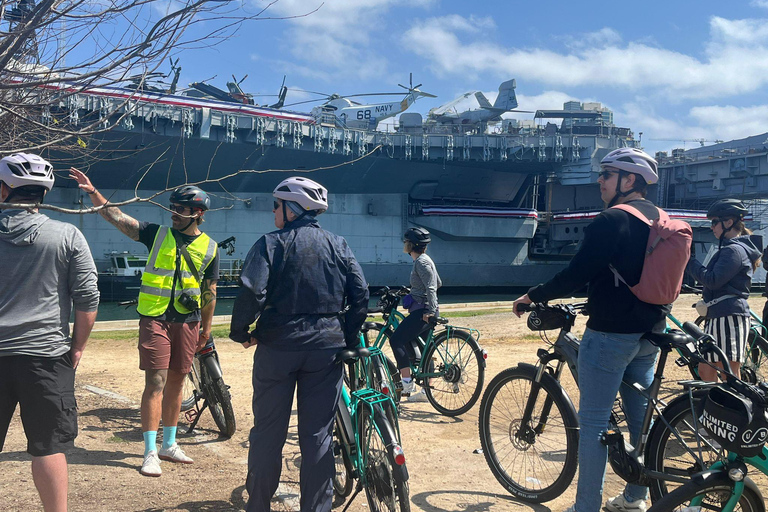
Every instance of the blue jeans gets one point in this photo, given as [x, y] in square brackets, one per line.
[609, 363]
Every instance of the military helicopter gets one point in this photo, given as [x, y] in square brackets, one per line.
[344, 112]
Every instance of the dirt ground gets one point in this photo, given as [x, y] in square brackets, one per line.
[446, 473]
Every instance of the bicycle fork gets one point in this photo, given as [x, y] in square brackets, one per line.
[527, 433]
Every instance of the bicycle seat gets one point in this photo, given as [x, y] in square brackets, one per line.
[433, 321]
[373, 311]
[667, 340]
[367, 326]
[351, 354]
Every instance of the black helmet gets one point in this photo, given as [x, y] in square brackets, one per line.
[191, 197]
[727, 209]
[417, 236]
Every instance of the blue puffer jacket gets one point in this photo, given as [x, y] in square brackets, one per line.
[729, 272]
[296, 281]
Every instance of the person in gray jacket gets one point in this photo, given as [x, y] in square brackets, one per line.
[727, 278]
[421, 304]
[52, 271]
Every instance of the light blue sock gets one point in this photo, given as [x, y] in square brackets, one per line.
[169, 436]
[150, 441]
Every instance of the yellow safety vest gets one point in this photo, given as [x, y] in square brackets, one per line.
[157, 279]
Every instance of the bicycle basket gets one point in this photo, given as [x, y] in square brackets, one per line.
[737, 423]
[548, 319]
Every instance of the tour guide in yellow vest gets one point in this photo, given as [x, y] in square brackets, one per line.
[169, 332]
[157, 281]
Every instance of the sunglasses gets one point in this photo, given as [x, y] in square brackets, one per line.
[177, 208]
[715, 222]
[606, 175]
[275, 205]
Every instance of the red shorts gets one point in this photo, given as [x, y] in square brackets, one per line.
[167, 345]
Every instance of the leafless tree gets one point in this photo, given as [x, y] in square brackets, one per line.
[50, 50]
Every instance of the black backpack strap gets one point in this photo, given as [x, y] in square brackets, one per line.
[185, 253]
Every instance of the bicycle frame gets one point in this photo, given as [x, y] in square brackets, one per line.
[421, 371]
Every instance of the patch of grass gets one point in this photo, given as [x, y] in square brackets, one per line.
[476, 312]
[116, 439]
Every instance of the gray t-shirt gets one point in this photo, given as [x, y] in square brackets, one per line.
[424, 283]
[46, 268]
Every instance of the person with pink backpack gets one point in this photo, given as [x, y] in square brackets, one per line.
[632, 258]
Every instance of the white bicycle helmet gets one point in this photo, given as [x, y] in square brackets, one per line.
[23, 169]
[635, 161]
[309, 194]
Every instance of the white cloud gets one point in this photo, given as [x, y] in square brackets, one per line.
[342, 38]
[759, 3]
[600, 39]
[729, 122]
[737, 60]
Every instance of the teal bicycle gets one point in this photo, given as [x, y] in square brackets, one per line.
[448, 364]
[367, 444]
[724, 485]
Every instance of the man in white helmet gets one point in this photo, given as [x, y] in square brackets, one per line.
[52, 271]
[308, 293]
[611, 348]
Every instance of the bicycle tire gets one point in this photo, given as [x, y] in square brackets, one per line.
[381, 380]
[448, 393]
[219, 403]
[192, 385]
[755, 368]
[386, 486]
[503, 404]
[664, 452]
[717, 487]
[342, 479]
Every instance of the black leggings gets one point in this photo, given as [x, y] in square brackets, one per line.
[408, 330]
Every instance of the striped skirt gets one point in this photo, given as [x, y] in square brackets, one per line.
[731, 334]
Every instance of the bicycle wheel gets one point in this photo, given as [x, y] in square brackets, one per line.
[459, 361]
[342, 480]
[192, 388]
[386, 482]
[219, 402]
[535, 461]
[715, 490]
[381, 380]
[755, 367]
[667, 454]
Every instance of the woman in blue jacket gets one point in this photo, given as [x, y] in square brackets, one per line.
[727, 279]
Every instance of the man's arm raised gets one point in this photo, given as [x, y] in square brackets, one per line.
[125, 223]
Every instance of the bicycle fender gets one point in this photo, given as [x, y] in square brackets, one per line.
[390, 438]
[532, 370]
[213, 367]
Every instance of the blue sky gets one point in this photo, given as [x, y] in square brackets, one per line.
[672, 70]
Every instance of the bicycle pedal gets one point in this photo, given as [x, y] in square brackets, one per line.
[681, 362]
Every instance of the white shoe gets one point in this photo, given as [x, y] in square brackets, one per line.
[572, 508]
[409, 387]
[620, 504]
[174, 454]
[419, 396]
[151, 465]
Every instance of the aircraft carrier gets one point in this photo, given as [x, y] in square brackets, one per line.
[506, 206]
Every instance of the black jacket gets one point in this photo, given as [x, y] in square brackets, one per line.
[614, 238]
[298, 281]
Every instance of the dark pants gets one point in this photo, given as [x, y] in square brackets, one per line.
[408, 330]
[276, 374]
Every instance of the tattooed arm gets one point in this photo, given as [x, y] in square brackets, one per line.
[125, 223]
[207, 307]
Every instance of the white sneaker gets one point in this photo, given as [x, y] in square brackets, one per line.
[174, 454]
[409, 387]
[419, 396]
[151, 465]
[572, 508]
[620, 504]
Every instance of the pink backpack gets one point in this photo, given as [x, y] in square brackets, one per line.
[666, 255]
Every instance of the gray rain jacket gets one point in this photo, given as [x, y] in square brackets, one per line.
[729, 272]
[46, 268]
